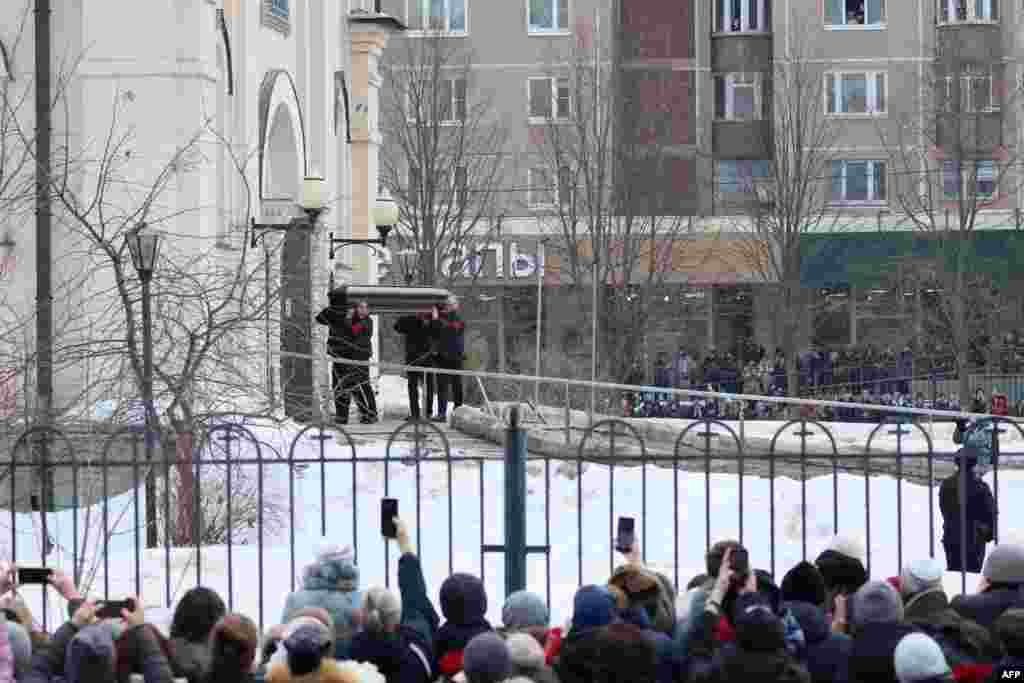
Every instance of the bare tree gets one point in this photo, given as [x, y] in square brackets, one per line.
[953, 165]
[602, 184]
[786, 199]
[443, 157]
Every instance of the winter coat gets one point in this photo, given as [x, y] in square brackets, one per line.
[670, 663]
[527, 658]
[192, 659]
[349, 337]
[329, 672]
[583, 659]
[48, 660]
[651, 591]
[451, 336]
[320, 588]
[824, 653]
[962, 640]
[407, 655]
[419, 339]
[872, 655]
[464, 604]
[985, 608]
[981, 509]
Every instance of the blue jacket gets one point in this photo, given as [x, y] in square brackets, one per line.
[451, 335]
[824, 653]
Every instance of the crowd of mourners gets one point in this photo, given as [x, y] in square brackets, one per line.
[853, 374]
[825, 621]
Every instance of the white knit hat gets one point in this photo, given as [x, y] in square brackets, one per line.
[524, 651]
[919, 658]
[920, 576]
[851, 546]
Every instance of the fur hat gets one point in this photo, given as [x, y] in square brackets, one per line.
[804, 583]
[235, 638]
[876, 602]
[523, 609]
[919, 576]
[1005, 564]
[919, 658]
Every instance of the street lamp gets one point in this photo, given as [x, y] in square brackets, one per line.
[144, 246]
[312, 201]
[385, 217]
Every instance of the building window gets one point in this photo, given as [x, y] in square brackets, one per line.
[968, 10]
[737, 97]
[446, 16]
[858, 181]
[861, 92]
[854, 12]
[983, 177]
[451, 100]
[741, 176]
[549, 98]
[734, 16]
[277, 15]
[976, 94]
[546, 16]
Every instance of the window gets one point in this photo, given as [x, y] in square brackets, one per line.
[734, 16]
[737, 96]
[548, 15]
[858, 181]
[451, 100]
[736, 177]
[447, 16]
[276, 15]
[549, 95]
[984, 179]
[860, 92]
[968, 10]
[976, 94]
[850, 13]
[279, 8]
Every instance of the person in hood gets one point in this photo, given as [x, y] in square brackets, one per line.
[399, 631]
[351, 338]
[876, 618]
[1009, 629]
[919, 659]
[925, 605]
[419, 332]
[1001, 586]
[451, 353]
[979, 513]
[197, 613]
[593, 608]
[331, 582]
[463, 604]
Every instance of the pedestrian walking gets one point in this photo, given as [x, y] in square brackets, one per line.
[351, 338]
[420, 341]
[451, 352]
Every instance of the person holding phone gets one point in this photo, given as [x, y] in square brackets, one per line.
[399, 631]
[641, 587]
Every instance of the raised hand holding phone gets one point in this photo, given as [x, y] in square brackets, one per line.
[388, 513]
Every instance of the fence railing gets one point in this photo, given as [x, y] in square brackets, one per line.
[245, 499]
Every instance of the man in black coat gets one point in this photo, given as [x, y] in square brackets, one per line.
[451, 352]
[351, 338]
[420, 335]
[980, 510]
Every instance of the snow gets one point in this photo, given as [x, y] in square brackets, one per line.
[475, 521]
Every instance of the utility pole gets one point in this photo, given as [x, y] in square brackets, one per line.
[44, 230]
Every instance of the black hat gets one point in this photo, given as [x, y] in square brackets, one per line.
[759, 630]
[804, 583]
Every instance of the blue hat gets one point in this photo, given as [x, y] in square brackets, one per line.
[524, 609]
[593, 607]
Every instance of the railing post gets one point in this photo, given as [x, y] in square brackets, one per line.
[515, 504]
[568, 417]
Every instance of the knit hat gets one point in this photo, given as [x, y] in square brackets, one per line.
[317, 615]
[758, 630]
[486, 659]
[919, 658]
[847, 545]
[524, 651]
[592, 607]
[306, 647]
[463, 599]
[1005, 564]
[804, 583]
[919, 576]
[235, 638]
[876, 602]
[1009, 628]
[21, 648]
[524, 609]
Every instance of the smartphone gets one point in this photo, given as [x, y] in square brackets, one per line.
[28, 575]
[112, 609]
[388, 512]
[739, 561]
[625, 537]
[11, 615]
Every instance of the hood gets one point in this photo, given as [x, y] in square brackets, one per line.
[463, 599]
[334, 570]
[90, 655]
[811, 619]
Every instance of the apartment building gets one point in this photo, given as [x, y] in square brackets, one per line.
[708, 65]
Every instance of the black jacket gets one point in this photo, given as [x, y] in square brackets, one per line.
[349, 337]
[985, 608]
[825, 653]
[451, 336]
[962, 640]
[981, 509]
[420, 339]
[872, 654]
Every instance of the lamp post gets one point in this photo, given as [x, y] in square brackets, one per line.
[144, 246]
[385, 217]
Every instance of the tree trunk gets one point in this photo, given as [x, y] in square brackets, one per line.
[186, 484]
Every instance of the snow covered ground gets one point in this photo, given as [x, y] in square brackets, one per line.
[468, 500]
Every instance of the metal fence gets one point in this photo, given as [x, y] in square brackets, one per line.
[244, 499]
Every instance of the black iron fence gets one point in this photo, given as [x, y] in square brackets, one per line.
[244, 499]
